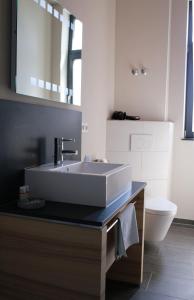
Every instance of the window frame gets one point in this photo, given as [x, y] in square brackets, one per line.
[189, 134]
[72, 55]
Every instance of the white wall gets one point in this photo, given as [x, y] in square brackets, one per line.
[98, 19]
[154, 33]
[183, 164]
[142, 38]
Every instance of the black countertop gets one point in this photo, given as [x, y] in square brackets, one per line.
[80, 214]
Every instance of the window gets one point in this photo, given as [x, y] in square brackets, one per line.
[189, 110]
[74, 61]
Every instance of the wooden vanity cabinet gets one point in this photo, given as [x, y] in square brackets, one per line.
[48, 260]
[129, 269]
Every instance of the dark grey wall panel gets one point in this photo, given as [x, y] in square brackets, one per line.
[27, 134]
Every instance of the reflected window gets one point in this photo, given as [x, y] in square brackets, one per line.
[74, 61]
[46, 51]
[77, 65]
[77, 35]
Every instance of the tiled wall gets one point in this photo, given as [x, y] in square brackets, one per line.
[147, 146]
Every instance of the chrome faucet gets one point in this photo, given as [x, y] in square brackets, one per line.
[59, 150]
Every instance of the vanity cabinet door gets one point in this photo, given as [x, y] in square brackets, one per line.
[127, 269]
[49, 261]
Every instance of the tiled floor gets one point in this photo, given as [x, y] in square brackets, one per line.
[168, 270]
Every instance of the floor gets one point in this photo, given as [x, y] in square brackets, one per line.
[168, 270]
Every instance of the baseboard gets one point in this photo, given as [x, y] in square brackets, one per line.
[183, 222]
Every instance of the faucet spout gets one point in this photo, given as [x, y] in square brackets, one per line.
[59, 150]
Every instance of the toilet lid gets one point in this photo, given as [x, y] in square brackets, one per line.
[160, 206]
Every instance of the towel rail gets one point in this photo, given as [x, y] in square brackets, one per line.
[115, 222]
[112, 225]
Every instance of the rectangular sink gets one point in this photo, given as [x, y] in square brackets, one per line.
[85, 183]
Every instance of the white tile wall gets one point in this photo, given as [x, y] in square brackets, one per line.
[118, 139]
[147, 146]
[156, 188]
[141, 142]
[119, 135]
[132, 158]
[155, 165]
[162, 133]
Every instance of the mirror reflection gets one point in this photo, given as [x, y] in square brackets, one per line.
[49, 49]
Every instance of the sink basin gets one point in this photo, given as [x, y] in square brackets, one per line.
[86, 183]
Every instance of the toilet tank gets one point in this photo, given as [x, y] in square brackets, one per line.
[147, 146]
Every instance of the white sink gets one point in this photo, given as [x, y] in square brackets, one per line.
[87, 183]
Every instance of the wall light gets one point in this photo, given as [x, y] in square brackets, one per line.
[135, 71]
[139, 71]
[144, 71]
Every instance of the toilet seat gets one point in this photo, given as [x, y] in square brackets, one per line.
[160, 206]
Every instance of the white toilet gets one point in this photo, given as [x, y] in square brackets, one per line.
[159, 214]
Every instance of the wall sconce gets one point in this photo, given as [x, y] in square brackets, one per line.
[135, 71]
[141, 70]
[144, 71]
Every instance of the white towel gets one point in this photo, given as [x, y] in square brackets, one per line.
[127, 231]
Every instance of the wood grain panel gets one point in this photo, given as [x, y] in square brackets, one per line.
[130, 269]
[61, 256]
[48, 261]
[18, 288]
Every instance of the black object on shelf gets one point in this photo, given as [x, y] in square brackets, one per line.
[120, 115]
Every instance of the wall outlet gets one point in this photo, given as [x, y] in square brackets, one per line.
[84, 127]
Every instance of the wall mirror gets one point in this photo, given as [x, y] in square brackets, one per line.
[47, 50]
